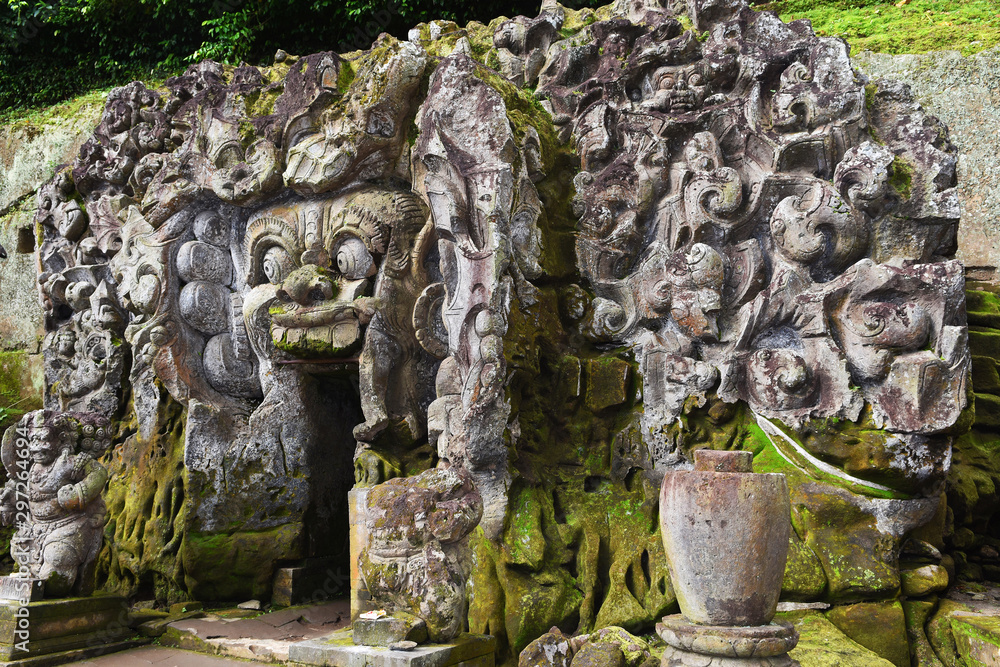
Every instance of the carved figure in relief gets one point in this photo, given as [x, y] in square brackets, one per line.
[340, 276]
[417, 558]
[61, 524]
[343, 253]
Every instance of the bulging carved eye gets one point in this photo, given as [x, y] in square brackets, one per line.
[277, 264]
[695, 80]
[353, 259]
[229, 156]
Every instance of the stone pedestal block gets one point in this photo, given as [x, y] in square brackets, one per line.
[311, 581]
[673, 657]
[726, 646]
[21, 589]
[58, 631]
[339, 650]
[389, 630]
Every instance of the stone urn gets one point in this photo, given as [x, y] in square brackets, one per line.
[725, 532]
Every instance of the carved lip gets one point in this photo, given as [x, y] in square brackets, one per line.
[313, 316]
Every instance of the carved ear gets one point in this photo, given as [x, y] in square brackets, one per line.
[428, 325]
[8, 448]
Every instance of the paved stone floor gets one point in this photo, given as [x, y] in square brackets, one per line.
[164, 657]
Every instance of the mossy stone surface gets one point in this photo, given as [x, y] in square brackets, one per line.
[917, 613]
[599, 655]
[635, 649]
[878, 626]
[804, 577]
[822, 644]
[939, 631]
[918, 582]
[977, 639]
[227, 566]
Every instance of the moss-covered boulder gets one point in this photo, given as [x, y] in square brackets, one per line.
[878, 626]
[822, 644]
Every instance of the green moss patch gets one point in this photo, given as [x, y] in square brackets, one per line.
[227, 566]
[977, 639]
[18, 393]
[878, 626]
[917, 26]
[822, 644]
[901, 178]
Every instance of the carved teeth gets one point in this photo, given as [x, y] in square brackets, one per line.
[345, 333]
[336, 336]
[318, 335]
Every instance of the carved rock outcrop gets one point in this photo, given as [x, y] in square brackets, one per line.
[553, 255]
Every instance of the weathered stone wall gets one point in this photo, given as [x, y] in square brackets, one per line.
[30, 149]
[964, 92]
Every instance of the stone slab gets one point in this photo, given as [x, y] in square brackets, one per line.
[74, 656]
[977, 639]
[357, 510]
[165, 657]
[54, 626]
[673, 657]
[21, 589]
[264, 637]
[389, 630]
[339, 650]
[822, 644]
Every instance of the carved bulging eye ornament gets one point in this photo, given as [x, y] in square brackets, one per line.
[277, 264]
[353, 260]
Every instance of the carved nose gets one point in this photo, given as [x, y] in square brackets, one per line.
[681, 84]
[306, 288]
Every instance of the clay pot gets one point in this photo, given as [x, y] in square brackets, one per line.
[725, 531]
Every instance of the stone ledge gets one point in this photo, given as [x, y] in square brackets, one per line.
[339, 650]
[75, 655]
[977, 638]
[60, 625]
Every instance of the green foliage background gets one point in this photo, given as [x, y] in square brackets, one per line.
[51, 50]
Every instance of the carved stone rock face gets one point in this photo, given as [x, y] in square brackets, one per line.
[417, 558]
[555, 254]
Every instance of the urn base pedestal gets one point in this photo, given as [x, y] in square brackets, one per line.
[693, 645]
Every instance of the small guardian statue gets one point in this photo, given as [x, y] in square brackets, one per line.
[53, 497]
